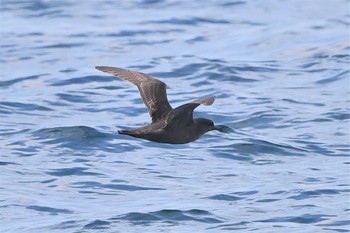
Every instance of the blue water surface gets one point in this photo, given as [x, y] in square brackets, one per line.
[279, 70]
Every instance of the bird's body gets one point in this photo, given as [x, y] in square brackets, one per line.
[159, 132]
[174, 126]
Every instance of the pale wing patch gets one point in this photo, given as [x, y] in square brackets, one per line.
[205, 100]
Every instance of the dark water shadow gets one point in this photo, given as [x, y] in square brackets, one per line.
[168, 216]
[240, 146]
[82, 138]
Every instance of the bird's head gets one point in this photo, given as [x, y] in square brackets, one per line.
[206, 125]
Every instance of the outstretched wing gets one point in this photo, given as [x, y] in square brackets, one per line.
[153, 91]
[183, 115]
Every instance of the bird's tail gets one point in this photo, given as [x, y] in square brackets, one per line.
[129, 132]
[125, 131]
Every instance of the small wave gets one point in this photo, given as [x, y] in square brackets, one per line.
[276, 148]
[250, 148]
[196, 39]
[225, 197]
[8, 163]
[189, 22]
[341, 75]
[259, 120]
[61, 46]
[186, 70]
[170, 215]
[305, 219]
[50, 210]
[230, 155]
[66, 225]
[227, 77]
[84, 80]
[149, 42]
[76, 171]
[12, 107]
[336, 224]
[69, 132]
[97, 225]
[231, 227]
[82, 138]
[19, 80]
[107, 187]
[235, 196]
[74, 137]
[315, 193]
[232, 3]
[341, 150]
[73, 98]
[133, 33]
[304, 103]
[338, 114]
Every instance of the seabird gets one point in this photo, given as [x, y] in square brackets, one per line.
[174, 126]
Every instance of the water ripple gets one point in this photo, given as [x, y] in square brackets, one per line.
[50, 210]
[120, 187]
[16, 106]
[315, 193]
[341, 75]
[304, 219]
[193, 21]
[97, 225]
[76, 171]
[19, 80]
[84, 80]
[169, 215]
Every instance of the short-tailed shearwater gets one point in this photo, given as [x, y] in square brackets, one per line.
[174, 126]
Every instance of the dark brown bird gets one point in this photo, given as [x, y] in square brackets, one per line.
[174, 126]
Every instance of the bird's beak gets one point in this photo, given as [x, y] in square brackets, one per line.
[220, 128]
[223, 128]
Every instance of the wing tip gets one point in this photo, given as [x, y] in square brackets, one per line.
[206, 100]
[210, 100]
[110, 69]
[101, 68]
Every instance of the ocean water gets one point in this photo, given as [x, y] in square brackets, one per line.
[279, 70]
